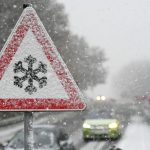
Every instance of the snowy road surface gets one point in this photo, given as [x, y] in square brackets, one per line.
[75, 134]
[72, 122]
[93, 146]
[137, 136]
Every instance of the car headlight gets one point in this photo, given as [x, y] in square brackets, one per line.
[113, 125]
[85, 125]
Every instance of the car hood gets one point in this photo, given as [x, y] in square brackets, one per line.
[100, 121]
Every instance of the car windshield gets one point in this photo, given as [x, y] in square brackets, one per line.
[43, 138]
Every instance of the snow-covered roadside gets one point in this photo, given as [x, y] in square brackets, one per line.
[8, 132]
[137, 136]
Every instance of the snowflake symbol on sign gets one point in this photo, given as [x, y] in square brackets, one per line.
[30, 74]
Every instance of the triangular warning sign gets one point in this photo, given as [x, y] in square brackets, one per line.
[33, 76]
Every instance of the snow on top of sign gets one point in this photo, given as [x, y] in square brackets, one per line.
[30, 30]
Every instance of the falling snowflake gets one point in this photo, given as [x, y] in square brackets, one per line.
[30, 74]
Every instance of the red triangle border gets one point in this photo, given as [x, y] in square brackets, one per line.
[27, 21]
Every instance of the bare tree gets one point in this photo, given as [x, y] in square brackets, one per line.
[133, 80]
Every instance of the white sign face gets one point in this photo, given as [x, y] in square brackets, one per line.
[53, 87]
[33, 76]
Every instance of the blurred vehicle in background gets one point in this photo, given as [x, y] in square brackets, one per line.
[100, 98]
[101, 125]
[143, 97]
[45, 138]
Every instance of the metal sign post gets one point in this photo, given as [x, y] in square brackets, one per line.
[28, 130]
[28, 120]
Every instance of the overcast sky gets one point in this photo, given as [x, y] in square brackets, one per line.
[120, 27]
